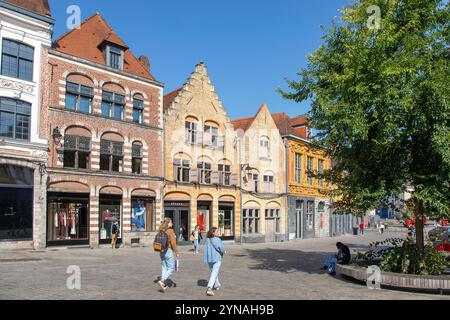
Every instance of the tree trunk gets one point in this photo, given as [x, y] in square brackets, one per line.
[420, 239]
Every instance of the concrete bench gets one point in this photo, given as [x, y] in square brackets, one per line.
[439, 284]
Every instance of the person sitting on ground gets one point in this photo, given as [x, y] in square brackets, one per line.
[342, 257]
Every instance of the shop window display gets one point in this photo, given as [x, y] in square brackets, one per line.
[68, 221]
[110, 212]
[226, 221]
[142, 215]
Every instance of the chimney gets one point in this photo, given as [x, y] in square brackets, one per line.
[145, 62]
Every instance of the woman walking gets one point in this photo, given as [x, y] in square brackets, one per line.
[214, 251]
[169, 254]
[196, 237]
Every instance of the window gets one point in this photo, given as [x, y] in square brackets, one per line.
[298, 168]
[310, 215]
[191, 132]
[254, 180]
[77, 151]
[205, 172]
[211, 136]
[320, 166]
[138, 111]
[269, 185]
[111, 156]
[181, 170]
[264, 147]
[136, 161]
[79, 97]
[310, 171]
[250, 221]
[15, 119]
[113, 105]
[274, 214]
[115, 57]
[224, 174]
[17, 60]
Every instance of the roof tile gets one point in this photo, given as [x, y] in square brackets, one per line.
[85, 42]
[38, 6]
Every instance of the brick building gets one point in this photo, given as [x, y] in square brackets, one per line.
[202, 164]
[104, 112]
[263, 159]
[26, 27]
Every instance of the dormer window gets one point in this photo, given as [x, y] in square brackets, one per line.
[114, 57]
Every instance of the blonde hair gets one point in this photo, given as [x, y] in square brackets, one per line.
[165, 225]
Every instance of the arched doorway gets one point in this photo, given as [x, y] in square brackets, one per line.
[16, 202]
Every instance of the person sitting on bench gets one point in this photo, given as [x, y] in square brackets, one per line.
[342, 257]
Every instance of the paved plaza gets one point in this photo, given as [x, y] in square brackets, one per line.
[252, 271]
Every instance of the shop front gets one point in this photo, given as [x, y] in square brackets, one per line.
[205, 219]
[16, 203]
[227, 220]
[110, 213]
[179, 212]
[68, 219]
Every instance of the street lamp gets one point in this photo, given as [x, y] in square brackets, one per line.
[57, 136]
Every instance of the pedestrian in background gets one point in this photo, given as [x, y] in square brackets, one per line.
[214, 251]
[169, 254]
[196, 238]
[361, 228]
[382, 228]
[114, 234]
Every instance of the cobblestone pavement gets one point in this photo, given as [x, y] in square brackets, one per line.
[254, 271]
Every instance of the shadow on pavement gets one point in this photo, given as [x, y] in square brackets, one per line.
[287, 261]
[202, 283]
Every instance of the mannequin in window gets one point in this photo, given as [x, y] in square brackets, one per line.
[137, 216]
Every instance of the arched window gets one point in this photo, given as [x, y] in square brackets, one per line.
[212, 136]
[191, 131]
[77, 148]
[205, 170]
[111, 152]
[136, 153]
[181, 168]
[138, 109]
[269, 182]
[253, 180]
[15, 119]
[264, 147]
[17, 60]
[79, 94]
[113, 102]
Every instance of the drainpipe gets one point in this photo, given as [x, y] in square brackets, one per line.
[286, 146]
[240, 189]
[164, 167]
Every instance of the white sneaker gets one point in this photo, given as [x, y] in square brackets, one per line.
[162, 286]
[210, 293]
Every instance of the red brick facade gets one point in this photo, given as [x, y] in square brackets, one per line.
[57, 69]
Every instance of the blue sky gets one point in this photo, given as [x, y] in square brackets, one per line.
[249, 46]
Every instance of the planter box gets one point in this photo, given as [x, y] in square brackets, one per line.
[398, 280]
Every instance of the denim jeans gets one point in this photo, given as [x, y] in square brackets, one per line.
[196, 245]
[214, 280]
[331, 263]
[167, 264]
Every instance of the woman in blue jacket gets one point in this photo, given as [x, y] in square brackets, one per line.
[214, 251]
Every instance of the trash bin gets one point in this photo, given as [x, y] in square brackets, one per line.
[355, 231]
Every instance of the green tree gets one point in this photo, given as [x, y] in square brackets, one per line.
[380, 104]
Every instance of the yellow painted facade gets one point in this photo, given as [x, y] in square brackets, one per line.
[309, 204]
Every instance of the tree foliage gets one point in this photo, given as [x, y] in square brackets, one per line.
[380, 104]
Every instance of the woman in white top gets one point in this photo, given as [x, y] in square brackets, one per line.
[196, 236]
